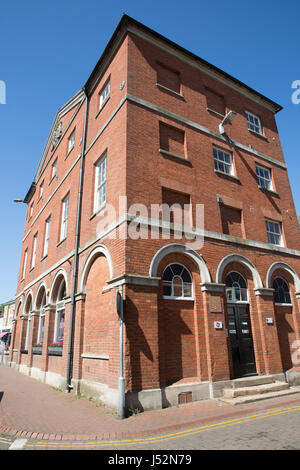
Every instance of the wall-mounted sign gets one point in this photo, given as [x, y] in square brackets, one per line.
[269, 321]
[218, 325]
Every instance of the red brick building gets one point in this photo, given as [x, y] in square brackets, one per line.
[145, 130]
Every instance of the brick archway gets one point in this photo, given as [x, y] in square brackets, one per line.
[181, 329]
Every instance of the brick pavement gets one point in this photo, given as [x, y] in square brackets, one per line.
[31, 409]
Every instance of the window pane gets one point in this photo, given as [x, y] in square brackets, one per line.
[177, 269]
[187, 289]
[282, 293]
[223, 161]
[167, 288]
[253, 122]
[168, 275]
[177, 282]
[186, 276]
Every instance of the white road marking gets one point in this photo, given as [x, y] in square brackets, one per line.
[18, 444]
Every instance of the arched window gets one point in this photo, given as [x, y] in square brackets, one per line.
[60, 314]
[236, 288]
[42, 320]
[282, 292]
[177, 282]
[28, 311]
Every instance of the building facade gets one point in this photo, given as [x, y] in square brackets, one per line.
[211, 289]
[7, 317]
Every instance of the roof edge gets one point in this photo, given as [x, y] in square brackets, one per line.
[122, 27]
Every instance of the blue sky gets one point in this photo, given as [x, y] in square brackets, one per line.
[49, 48]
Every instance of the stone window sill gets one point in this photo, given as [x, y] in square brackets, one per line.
[227, 175]
[97, 212]
[262, 136]
[219, 115]
[61, 242]
[169, 90]
[174, 155]
[269, 191]
[103, 104]
[70, 151]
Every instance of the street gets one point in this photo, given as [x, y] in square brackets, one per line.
[274, 429]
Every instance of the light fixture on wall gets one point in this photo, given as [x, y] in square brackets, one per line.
[227, 119]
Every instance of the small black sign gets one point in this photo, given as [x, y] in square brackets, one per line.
[119, 301]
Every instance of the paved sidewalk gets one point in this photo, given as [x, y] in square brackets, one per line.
[34, 410]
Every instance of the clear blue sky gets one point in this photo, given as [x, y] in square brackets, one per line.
[48, 49]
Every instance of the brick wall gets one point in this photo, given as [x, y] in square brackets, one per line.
[166, 341]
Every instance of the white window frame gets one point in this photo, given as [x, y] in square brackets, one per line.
[54, 168]
[272, 233]
[41, 190]
[34, 248]
[31, 210]
[173, 297]
[254, 123]
[283, 303]
[47, 236]
[219, 162]
[25, 263]
[264, 181]
[231, 292]
[40, 337]
[28, 327]
[64, 217]
[60, 311]
[100, 183]
[104, 95]
[71, 141]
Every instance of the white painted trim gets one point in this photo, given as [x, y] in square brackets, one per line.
[78, 98]
[285, 267]
[212, 287]
[243, 260]
[205, 130]
[158, 223]
[30, 293]
[282, 305]
[178, 248]
[60, 272]
[131, 279]
[41, 286]
[55, 190]
[172, 297]
[45, 273]
[264, 291]
[95, 253]
[104, 357]
[171, 115]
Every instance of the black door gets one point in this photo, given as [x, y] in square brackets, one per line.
[241, 340]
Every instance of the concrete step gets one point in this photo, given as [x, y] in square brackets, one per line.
[261, 396]
[253, 380]
[255, 389]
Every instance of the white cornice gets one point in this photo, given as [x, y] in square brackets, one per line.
[74, 101]
[201, 128]
[189, 231]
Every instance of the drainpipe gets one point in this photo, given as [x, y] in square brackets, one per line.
[121, 383]
[76, 254]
